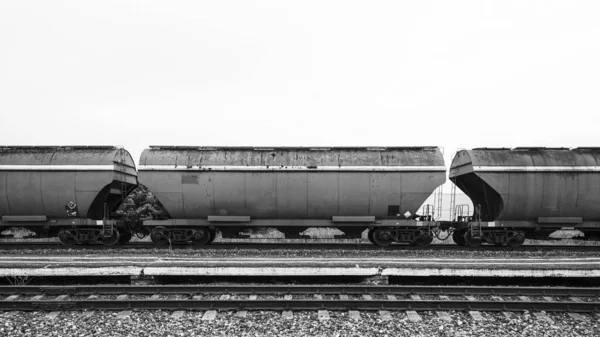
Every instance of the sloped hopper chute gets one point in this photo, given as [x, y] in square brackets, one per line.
[485, 199]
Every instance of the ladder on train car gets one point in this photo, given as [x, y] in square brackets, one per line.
[107, 228]
[453, 202]
[437, 202]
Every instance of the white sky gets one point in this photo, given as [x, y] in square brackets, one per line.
[456, 74]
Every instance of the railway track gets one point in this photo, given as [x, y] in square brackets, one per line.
[271, 245]
[315, 297]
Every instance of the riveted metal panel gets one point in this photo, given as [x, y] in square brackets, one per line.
[527, 183]
[292, 191]
[355, 194]
[24, 193]
[261, 189]
[58, 189]
[229, 193]
[322, 194]
[385, 189]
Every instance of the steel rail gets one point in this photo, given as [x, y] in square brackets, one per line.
[298, 304]
[299, 289]
[270, 245]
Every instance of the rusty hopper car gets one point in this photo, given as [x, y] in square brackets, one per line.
[65, 191]
[229, 189]
[527, 192]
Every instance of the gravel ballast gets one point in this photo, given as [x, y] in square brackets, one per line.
[285, 253]
[303, 323]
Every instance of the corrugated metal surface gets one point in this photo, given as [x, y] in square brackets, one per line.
[264, 194]
[42, 180]
[527, 183]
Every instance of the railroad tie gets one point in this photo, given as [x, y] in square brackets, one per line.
[157, 297]
[225, 297]
[470, 298]
[12, 298]
[476, 315]
[122, 297]
[444, 316]
[548, 299]
[87, 314]
[209, 315]
[61, 297]
[525, 298]
[415, 297]
[575, 299]
[497, 298]
[177, 314]
[391, 297]
[577, 317]
[323, 315]
[318, 297]
[252, 297]
[367, 297]
[355, 315]
[444, 297]
[543, 317]
[344, 297]
[124, 314]
[92, 297]
[413, 316]
[196, 297]
[37, 297]
[385, 315]
[287, 314]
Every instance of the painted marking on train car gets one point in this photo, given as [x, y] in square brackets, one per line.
[536, 168]
[265, 168]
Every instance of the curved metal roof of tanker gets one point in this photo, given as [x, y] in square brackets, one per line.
[426, 157]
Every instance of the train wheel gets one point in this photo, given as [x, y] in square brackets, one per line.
[370, 236]
[382, 237]
[471, 241]
[159, 236]
[515, 239]
[111, 240]
[66, 237]
[201, 237]
[125, 237]
[213, 235]
[459, 237]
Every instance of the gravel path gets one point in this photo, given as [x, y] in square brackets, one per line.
[303, 323]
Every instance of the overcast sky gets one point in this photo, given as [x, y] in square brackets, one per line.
[456, 74]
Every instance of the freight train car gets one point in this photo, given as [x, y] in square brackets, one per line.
[66, 191]
[527, 193]
[230, 189]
